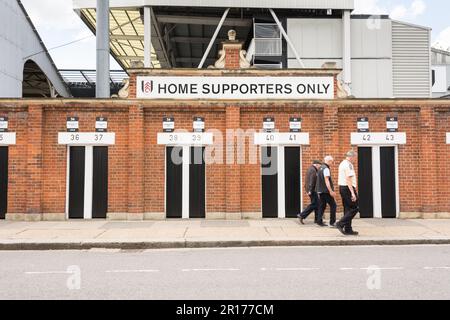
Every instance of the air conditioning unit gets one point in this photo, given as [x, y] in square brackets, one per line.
[268, 40]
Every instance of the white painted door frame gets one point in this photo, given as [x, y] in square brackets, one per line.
[376, 179]
[88, 140]
[281, 192]
[88, 181]
[186, 160]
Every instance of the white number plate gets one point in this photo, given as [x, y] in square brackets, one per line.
[378, 138]
[282, 139]
[185, 138]
[87, 138]
[7, 138]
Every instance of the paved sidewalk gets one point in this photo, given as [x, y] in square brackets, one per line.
[202, 233]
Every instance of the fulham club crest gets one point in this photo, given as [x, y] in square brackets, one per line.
[147, 86]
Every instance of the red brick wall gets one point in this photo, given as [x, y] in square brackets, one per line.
[55, 156]
[37, 164]
[17, 171]
[443, 159]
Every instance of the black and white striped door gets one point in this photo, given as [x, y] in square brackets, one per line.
[378, 182]
[185, 182]
[281, 181]
[87, 182]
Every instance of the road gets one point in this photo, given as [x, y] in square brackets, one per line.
[412, 272]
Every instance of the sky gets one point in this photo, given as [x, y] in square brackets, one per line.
[58, 25]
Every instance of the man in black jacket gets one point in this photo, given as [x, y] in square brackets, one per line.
[310, 187]
[325, 190]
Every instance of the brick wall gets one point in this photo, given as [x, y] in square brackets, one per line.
[37, 164]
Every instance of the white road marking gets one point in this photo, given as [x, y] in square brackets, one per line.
[382, 269]
[206, 270]
[131, 271]
[437, 268]
[387, 269]
[288, 269]
[47, 272]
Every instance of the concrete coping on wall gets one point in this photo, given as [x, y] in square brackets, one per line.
[235, 72]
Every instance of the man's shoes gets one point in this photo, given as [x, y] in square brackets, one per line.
[321, 224]
[341, 229]
[302, 221]
[333, 225]
[351, 233]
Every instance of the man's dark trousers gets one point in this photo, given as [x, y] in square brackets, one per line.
[326, 198]
[351, 208]
[314, 206]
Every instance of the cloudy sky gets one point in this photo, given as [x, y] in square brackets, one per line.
[58, 25]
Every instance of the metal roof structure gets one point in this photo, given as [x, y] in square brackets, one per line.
[82, 83]
[126, 35]
[71, 76]
[182, 30]
[280, 4]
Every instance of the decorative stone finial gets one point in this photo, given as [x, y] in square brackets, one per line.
[232, 35]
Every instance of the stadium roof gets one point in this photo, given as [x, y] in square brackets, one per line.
[182, 29]
[279, 4]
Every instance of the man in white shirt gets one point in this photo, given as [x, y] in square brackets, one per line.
[349, 195]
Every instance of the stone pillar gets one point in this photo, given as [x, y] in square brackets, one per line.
[136, 163]
[34, 163]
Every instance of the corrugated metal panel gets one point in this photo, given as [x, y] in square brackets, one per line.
[299, 4]
[411, 60]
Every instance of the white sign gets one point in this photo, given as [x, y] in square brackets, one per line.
[101, 124]
[295, 124]
[269, 125]
[3, 124]
[363, 125]
[198, 124]
[185, 138]
[281, 139]
[87, 138]
[378, 138]
[242, 88]
[448, 138]
[7, 138]
[168, 125]
[72, 124]
[392, 124]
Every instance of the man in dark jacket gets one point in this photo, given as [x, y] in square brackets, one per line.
[310, 187]
[325, 190]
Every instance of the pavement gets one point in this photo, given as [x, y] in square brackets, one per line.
[265, 273]
[74, 235]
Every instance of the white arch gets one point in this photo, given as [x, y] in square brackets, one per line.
[20, 42]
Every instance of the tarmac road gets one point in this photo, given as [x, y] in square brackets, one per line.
[379, 272]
